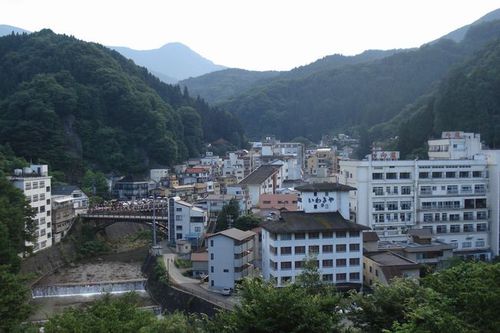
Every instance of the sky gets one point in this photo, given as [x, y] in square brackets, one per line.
[251, 34]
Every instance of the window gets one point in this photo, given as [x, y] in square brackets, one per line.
[405, 190]
[455, 217]
[480, 203]
[391, 175]
[313, 249]
[211, 269]
[286, 279]
[353, 276]
[327, 248]
[354, 233]
[299, 264]
[480, 243]
[178, 217]
[285, 236]
[273, 250]
[286, 265]
[42, 209]
[178, 209]
[43, 244]
[178, 236]
[211, 256]
[286, 250]
[300, 250]
[300, 235]
[378, 206]
[441, 229]
[340, 234]
[354, 262]
[47, 189]
[466, 245]
[211, 243]
[341, 262]
[341, 247]
[450, 174]
[423, 175]
[178, 227]
[468, 227]
[27, 186]
[481, 227]
[404, 175]
[42, 232]
[327, 263]
[466, 189]
[437, 175]
[35, 198]
[327, 277]
[392, 205]
[377, 175]
[477, 174]
[468, 216]
[405, 205]
[479, 188]
[454, 228]
[427, 217]
[452, 189]
[327, 234]
[463, 174]
[354, 247]
[341, 276]
[378, 190]
[313, 235]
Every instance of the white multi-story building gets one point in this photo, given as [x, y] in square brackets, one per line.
[321, 232]
[450, 197]
[234, 166]
[230, 257]
[185, 221]
[34, 181]
[264, 179]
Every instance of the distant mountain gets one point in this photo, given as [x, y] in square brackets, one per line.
[218, 87]
[459, 34]
[90, 107]
[171, 62]
[8, 29]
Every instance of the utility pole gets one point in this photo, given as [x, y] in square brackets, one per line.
[155, 248]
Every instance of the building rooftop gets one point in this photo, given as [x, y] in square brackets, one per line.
[370, 236]
[391, 264]
[64, 190]
[259, 175]
[421, 233]
[291, 222]
[132, 179]
[199, 256]
[322, 187]
[234, 233]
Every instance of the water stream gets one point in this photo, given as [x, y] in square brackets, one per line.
[64, 290]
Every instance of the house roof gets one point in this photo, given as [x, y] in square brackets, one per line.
[291, 222]
[391, 264]
[370, 236]
[199, 256]
[234, 233]
[132, 179]
[195, 170]
[64, 190]
[421, 233]
[320, 187]
[259, 175]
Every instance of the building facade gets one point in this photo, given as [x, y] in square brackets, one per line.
[186, 221]
[35, 183]
[230, 257]
[63, 216]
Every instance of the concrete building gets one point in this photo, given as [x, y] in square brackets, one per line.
[186, 222]
[35, 183]
[63, 216]
[79, 198]
[278, 201]
[234, 166]
[452, 198]
[230, 257]
[321, 232]
[199, 261]
[130, 188]
[322, 163]
[265, 179]
[455, 146]
[383, 266]
[213, 203]
[157, 175]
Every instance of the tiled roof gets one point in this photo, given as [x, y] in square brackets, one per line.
[259, 175]
[234, 233]
[291, 222]
[64, 190]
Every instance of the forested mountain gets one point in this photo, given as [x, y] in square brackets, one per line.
[218, 87]
[353, 96]
[78, 105]
[171, 62]
[468, 99]
[459, 34]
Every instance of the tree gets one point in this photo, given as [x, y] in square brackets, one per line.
[247, 222]
[95, 184]
[14, 307]
[265, 308]
[231, 211]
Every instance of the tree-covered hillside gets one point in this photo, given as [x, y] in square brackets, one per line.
[353, 96]
[468, 99]
[77, 105]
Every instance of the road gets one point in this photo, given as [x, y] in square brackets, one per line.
[194, 286]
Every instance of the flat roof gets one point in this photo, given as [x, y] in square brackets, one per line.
[292, 222]
[316, 187]
[387, 258]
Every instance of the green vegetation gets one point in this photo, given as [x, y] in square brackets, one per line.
[247, 222]
[231, 211]
[160, 271]
[183, 263]
[14, 297]
[90, 108]
[88, 245]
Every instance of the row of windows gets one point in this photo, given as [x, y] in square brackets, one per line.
[451, 174]
[34, 185]
[326, 263]
[340, 277]
[453, 189]
[392, 217]
[313, 235]
[392, 205]
[466, 216]
[457, 228]
[455, 204]
[313, 249]
[391, 190]
[391, 175]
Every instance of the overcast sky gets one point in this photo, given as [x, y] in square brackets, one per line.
[252, 34]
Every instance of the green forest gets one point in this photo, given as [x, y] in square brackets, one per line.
[78, 106]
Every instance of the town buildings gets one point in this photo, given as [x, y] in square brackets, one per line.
[80, 200]
[63, 216]
[451, 195]
[265, 179]
[230, 257]
[130, 188]
[185, 222]
[320, 232]
[35, 183]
